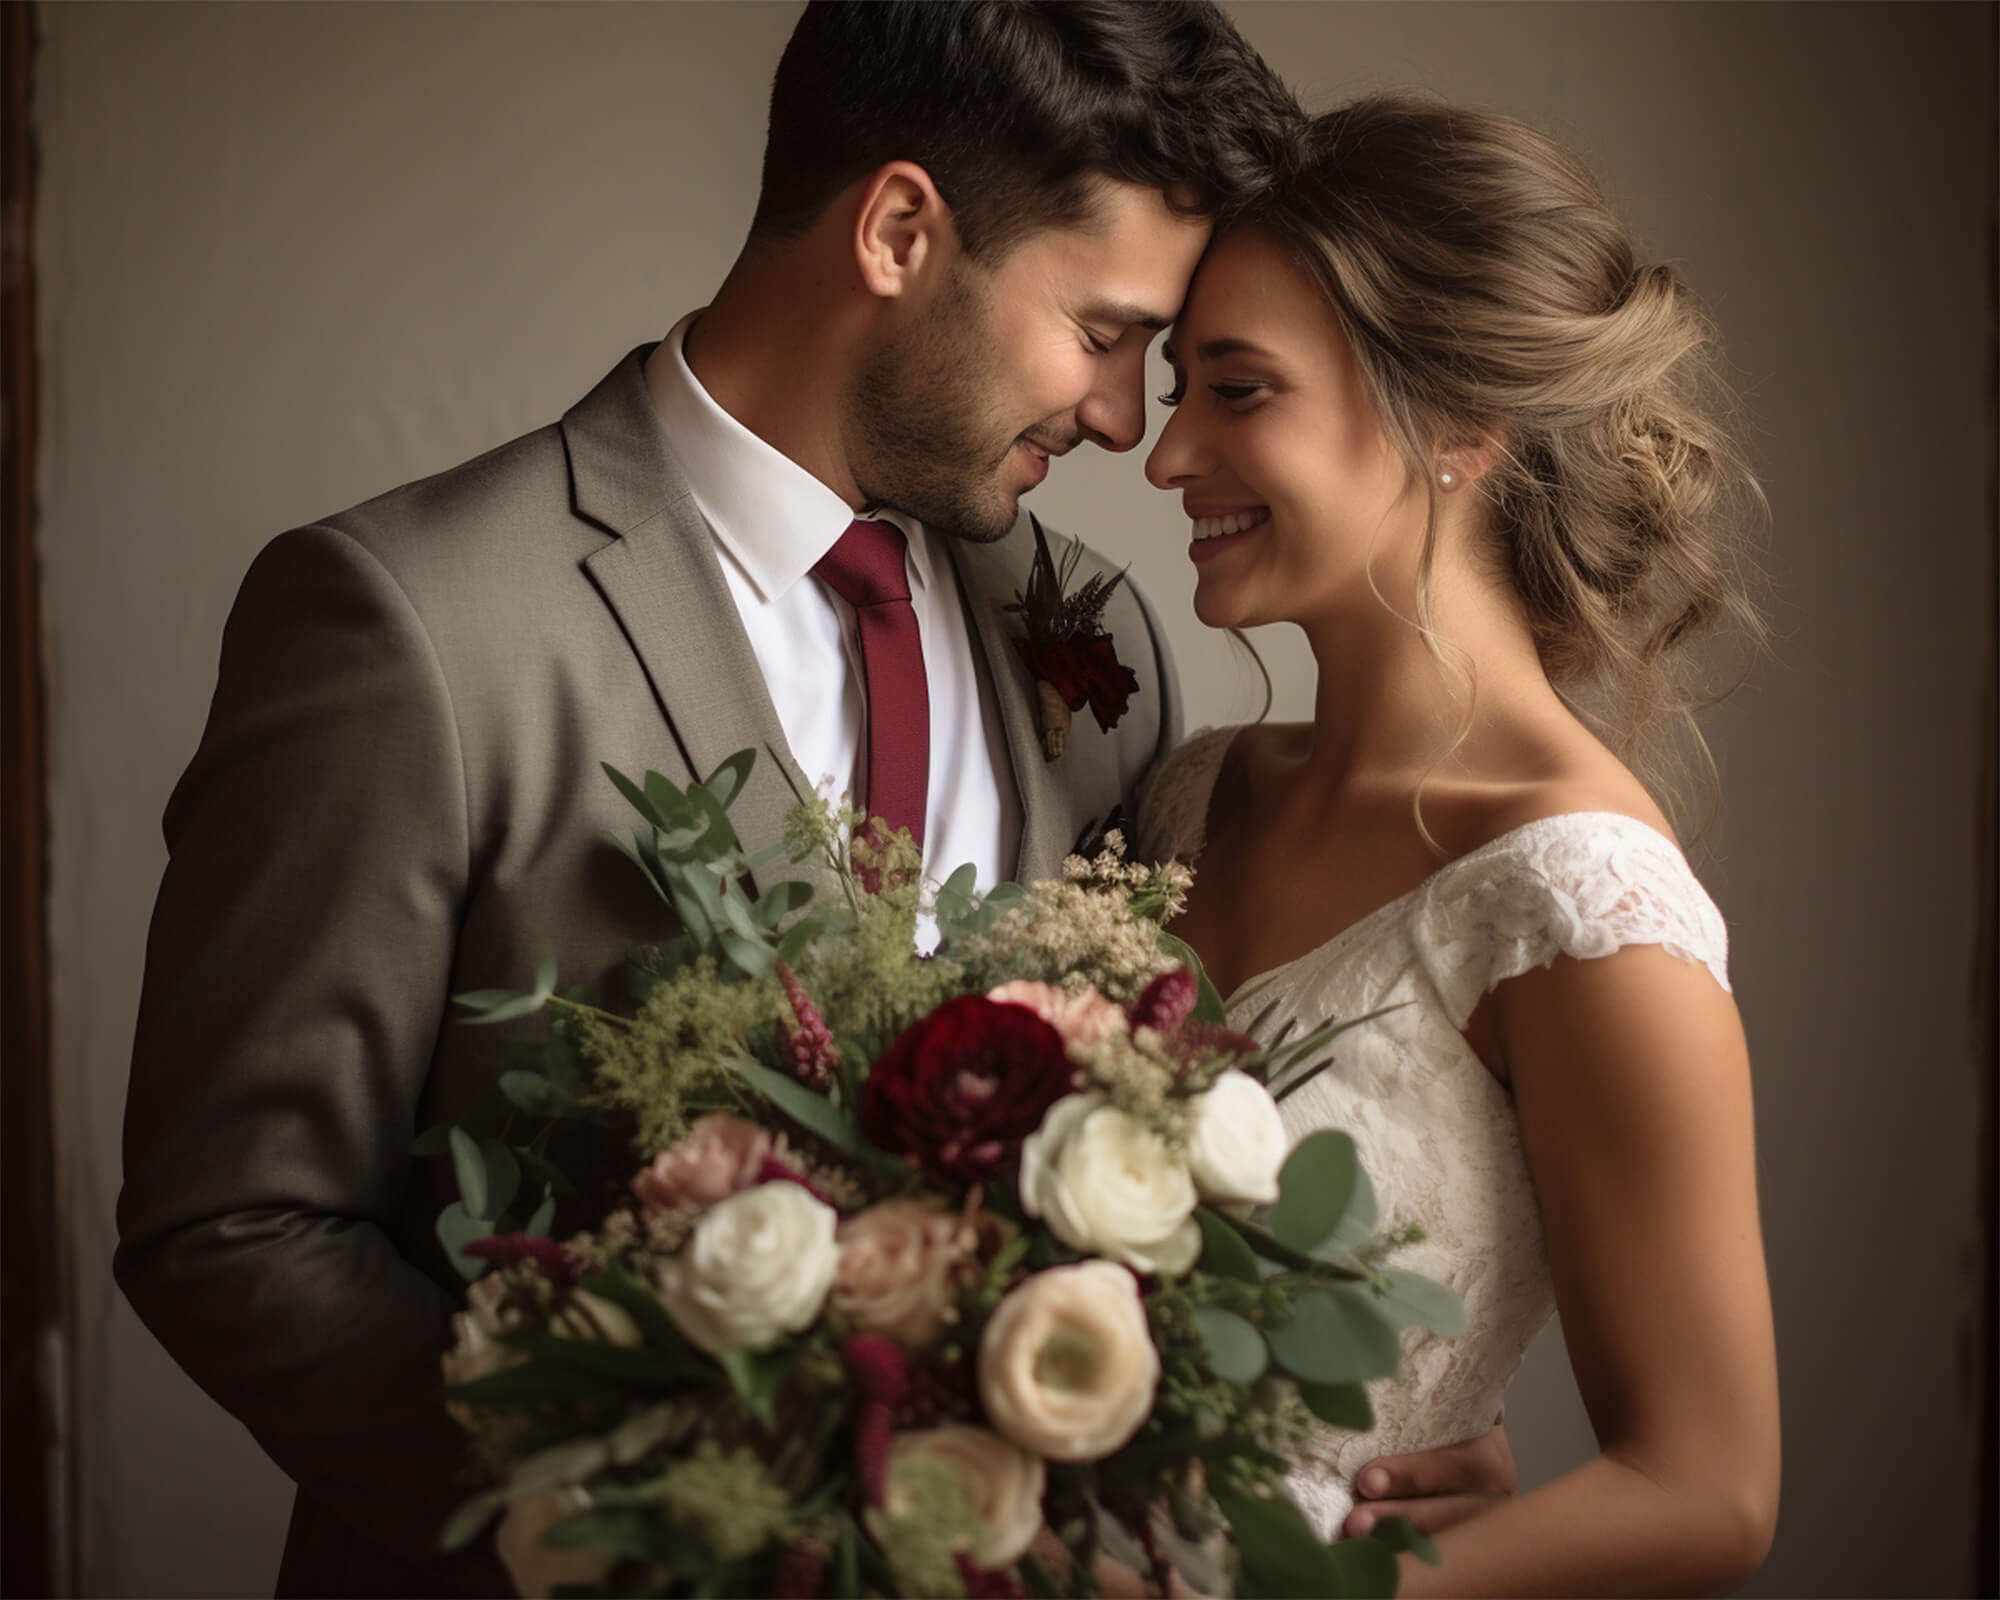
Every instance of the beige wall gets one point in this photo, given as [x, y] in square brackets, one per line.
[294, 255]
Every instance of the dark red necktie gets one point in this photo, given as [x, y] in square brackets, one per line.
[865, 568]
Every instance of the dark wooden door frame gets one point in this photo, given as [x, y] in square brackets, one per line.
[35, 1322]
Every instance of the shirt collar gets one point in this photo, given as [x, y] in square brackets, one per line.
[774, 517]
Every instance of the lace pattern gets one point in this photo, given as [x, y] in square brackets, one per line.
[1435, 1129]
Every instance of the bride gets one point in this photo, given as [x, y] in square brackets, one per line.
[1431, 409]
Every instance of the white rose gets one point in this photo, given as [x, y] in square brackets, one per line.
[1236, 1142]
[1067, 1367]
[1002, 1483]
[758, 1267]
[1107, 1183]
[537, 1568]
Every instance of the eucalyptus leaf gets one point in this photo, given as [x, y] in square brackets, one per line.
[1342, 1405]
[674, 809]
[545, 1214]
[517, 1005]
[1335, 1335]
[503, 1177]
[1400, 1533]
[727, 780]
[528, 1090]
[638, 854]
[1357, 1222]
[635, 796]
[1266, 1247]
[1366, 1569]
[1223, 1250]
[566, 1463]
[1036, 1580]
[749, 954]
[1281, 1555]
[483, 999]
[433, 1141]
[1314, 1187]
[1412, 1300]
[781, 900]
[1236, 1350]
[469, 1167]
[470, 1519]
[810, 1110]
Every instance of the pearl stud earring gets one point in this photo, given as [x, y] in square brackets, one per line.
[1446, 479]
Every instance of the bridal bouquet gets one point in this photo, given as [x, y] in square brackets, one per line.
[934, 1274]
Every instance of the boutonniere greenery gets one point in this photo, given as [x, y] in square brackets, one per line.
[1064, 643]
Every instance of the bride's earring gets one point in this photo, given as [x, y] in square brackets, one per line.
[1447, 480]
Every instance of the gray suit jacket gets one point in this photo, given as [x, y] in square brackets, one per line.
[397, 798]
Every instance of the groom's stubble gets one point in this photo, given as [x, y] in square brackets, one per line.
[932, 438]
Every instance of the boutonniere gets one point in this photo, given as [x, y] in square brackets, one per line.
[1063, 642]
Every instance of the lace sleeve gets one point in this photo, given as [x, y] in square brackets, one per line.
[1585, 884]
[1172, 803]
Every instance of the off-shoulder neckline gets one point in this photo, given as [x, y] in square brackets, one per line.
[1225, 737]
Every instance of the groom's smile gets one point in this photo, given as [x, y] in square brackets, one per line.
[1021, 358]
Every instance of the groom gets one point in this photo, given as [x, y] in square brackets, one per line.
[792, 522]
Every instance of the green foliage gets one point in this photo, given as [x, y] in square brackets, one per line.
[674, 1060]
[727, 1499]
[1223, 1250]
[925, 1522]
[1314, 1188]
[1335, 1335]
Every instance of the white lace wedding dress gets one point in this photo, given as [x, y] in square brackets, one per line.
[1435, 1130]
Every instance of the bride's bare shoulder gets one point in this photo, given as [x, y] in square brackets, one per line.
[1479, 813]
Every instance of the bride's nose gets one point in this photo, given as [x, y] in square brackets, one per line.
[1172, 461]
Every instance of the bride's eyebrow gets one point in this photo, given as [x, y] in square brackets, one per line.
[1213, 350]
[1216, 349]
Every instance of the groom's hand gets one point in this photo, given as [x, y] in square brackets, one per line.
[1435, 1488]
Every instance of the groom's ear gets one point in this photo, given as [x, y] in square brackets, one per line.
[903, 231]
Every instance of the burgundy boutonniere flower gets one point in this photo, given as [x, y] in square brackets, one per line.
[1065, 647]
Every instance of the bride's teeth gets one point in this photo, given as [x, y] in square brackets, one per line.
[1232, 522]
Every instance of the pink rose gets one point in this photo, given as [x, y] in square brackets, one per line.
[721, 1156]
[1082, 1019]
[896, 1273]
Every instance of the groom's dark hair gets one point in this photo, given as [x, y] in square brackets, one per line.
[1013, 106]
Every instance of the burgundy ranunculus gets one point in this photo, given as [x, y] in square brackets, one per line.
[961, 1089]
[1083, 670]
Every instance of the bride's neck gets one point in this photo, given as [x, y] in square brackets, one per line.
[1390, 701]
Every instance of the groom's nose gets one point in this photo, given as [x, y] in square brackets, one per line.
[1113, 414]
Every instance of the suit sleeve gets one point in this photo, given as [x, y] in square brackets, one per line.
[297, 972]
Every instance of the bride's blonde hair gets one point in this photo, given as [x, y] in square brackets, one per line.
[1490, 294]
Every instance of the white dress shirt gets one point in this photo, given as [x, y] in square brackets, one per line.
[773, 521]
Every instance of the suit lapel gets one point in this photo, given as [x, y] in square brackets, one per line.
[989, 576]
[662, 579]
